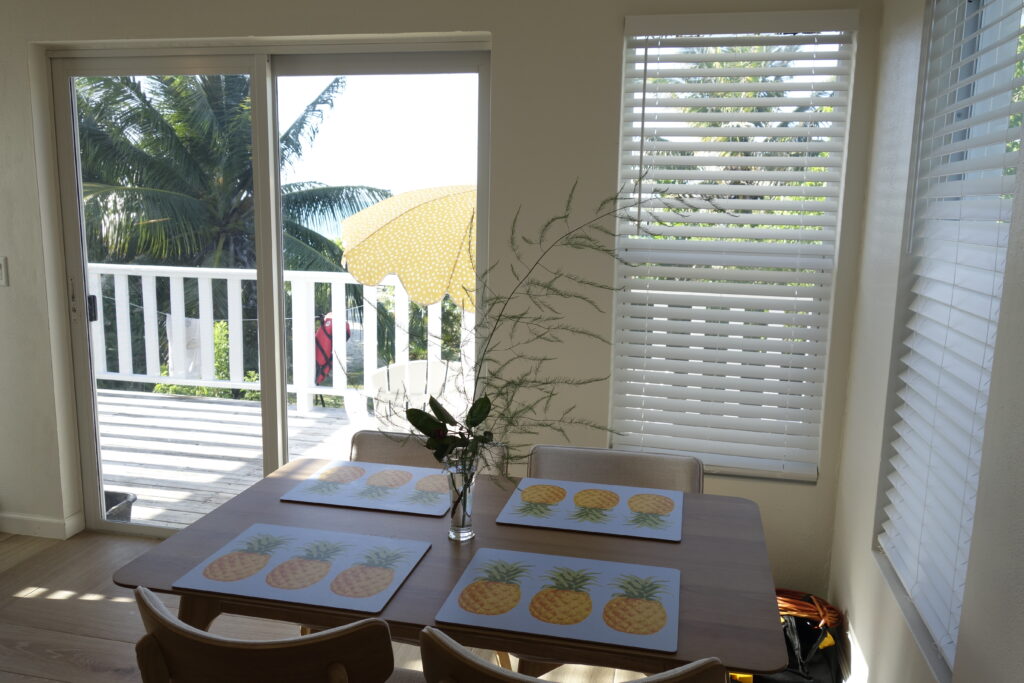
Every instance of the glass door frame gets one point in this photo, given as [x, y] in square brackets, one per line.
[263, 65]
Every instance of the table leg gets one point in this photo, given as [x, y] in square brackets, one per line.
[536, 667]
[198, 612]
[503, 660]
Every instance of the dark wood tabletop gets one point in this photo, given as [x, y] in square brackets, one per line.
[727, 605]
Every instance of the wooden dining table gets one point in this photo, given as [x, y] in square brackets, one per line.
[727, 606]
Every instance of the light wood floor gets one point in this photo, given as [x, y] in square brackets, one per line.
[62, 619]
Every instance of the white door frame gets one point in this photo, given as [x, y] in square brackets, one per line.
[465, 54]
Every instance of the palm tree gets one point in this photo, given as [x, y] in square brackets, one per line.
[167, 174]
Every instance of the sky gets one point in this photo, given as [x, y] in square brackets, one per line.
[396, 132]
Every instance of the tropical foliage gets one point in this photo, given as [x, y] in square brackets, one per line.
[166, 165]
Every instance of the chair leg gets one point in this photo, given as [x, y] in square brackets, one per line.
[536, 667]
[503, 660]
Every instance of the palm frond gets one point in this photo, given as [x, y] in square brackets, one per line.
[124, 108]
[306, 249]
[313, 203]
[134, 220]
[305, 128]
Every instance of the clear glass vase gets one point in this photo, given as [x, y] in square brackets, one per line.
[461, 472]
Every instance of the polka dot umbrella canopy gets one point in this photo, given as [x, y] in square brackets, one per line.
[425, 237]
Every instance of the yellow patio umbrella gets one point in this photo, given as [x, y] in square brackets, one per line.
[425, 237]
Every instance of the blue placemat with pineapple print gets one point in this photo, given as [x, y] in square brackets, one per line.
[419, 490]
[568, 597]
[596, 508]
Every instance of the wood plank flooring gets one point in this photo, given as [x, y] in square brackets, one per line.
[183, 456]
[62, 619]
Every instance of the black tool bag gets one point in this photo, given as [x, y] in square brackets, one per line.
[813, 653]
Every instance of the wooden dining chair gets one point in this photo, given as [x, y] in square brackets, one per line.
[397, 448]
[391, 448]
[609, 466]
[172, 650]
[445, 661]
[626, 468]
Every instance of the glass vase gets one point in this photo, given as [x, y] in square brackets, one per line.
[461, 471]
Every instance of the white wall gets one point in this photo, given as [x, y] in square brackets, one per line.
[555, 98]
[991, 622]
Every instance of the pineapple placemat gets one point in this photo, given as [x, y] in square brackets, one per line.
[309, 566]
[420, 490]
[596, 508]
[568, 597]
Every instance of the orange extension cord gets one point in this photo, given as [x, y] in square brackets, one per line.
[807, 606]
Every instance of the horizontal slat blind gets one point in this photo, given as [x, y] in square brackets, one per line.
[731, 159]
[967, 175]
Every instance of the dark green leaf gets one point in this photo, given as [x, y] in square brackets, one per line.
[442, 414]
[478, 412]
[425, 423]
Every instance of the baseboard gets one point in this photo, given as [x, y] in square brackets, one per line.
[37, 525]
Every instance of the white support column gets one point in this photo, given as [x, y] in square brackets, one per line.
[433, 334]
[303, 344]
[401, 323]
[467, 351]
[176, 341]
[235, 333]
[206, 350]
[97, 329]
[369, 339]
[150, 326]
[339, 378]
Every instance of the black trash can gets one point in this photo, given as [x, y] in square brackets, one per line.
[119, 505]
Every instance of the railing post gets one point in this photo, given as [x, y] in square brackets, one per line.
[206, 349]
[124, 325]
[235, 332]
[150, 326]
[177, 351]
[303, 359]
[98, 329]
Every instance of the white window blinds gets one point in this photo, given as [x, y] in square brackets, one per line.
[732, 143]
[967, 175]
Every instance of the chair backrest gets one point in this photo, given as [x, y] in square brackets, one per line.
[626, 468]
[398, 448]
[445, 661]
[174, 651]
[391, 448]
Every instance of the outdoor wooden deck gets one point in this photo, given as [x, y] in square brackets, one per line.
[184, 456]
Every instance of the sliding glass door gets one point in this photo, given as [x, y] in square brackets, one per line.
[216, 330]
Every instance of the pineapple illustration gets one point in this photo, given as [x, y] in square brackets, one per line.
[564, 600]
[429, 489]
[592, 505]
[649, 510]
[538, 499]
[305, 569]
[384, 482]
[635, 608]
[330, 479]
[370, 576]
[496, 590]
[245, 561]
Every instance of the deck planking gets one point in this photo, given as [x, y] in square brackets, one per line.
[183, 456]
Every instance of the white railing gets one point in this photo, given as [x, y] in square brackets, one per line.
[189, 353]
